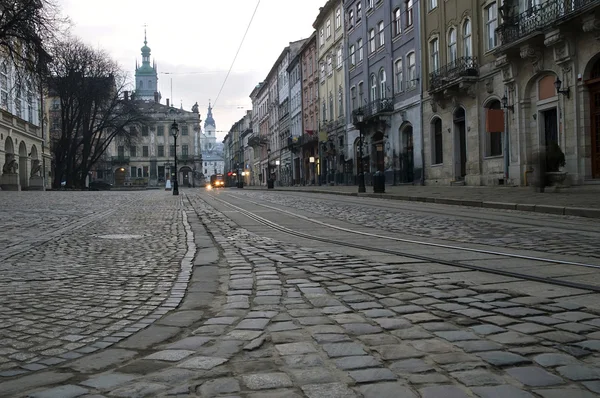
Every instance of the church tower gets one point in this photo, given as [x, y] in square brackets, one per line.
[146, 77]
[210, 139]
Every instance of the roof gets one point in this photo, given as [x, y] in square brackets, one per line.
[323, 12]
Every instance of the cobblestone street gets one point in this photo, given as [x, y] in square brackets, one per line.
[263, 318]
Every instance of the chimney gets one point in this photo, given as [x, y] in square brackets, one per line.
[167, 102]
[126, 95]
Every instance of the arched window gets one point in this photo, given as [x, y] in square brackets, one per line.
[494, 128]
[452, 51]
[373, 87]
[467, 46]
[437, 141]
[382, 90]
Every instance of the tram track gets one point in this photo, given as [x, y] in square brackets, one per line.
[553, 280]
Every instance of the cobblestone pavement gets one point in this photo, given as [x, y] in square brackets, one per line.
[80, 267]
[442, 226]
[297, 322]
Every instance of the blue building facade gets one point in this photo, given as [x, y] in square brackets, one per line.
[383, 81]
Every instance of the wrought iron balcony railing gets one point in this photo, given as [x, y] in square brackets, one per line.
[539, 17]
[453, 72]
[376, 108]
[119, 159]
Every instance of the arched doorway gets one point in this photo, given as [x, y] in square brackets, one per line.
[120, 175]
[378, 153]
[407, 155]
[23, 177]
[9, 150]
[185, 176]
[460, 144]
[594, 88]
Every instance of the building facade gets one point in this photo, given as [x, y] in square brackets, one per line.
[384, 83]
[329, 25]
[547, 55]
[308, 143]
[294, 72]
[24, 152]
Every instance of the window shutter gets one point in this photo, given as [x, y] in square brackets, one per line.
[494, 121]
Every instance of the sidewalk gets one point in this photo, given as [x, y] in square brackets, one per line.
[582, 201]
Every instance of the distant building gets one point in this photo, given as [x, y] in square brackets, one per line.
[149, 160]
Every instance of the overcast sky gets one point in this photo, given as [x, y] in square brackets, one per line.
[196, 41]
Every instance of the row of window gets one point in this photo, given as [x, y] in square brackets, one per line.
[396, 17]
[327, 66]
[160, 130]
[331, 113]
[146, 151]
[23, 108]
[325, 33]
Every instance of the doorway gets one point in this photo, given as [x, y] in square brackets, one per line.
[407, 156]
[120, 177]
[379, 156]
[460, 144]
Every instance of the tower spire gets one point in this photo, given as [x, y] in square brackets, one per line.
[145, 41]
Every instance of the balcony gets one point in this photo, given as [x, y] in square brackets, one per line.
[185, 159]
[461, 70]
[540, 17]
[255, 140]
[375, 109]
[120, 159]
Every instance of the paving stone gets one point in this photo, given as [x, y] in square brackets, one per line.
[378, 339]
[189, 343]
[225, 385]
[592, 345]
[170, 355]
[336, 350]
[453, 358]
[282, 326]
[138, 389]
[519, 312]
[544, 320]
[407, 309]
[414, 333]
[413, 365]
[432, 346]
[295, 348]
[499, 320]
[551, 360]
[348, 318]
[504, 391]
[264, 381]
[243, 334]
[287, 337]
[579, 372]
[477, 378]
[101, 360]
[440, 327]
[386, 390]
[329, 390]
[513, 338]
[253, 323]
[534, 376]
[393, 323]
[303, 361]
[143, 366]
[593, 386]
[149, 336]
[204, 363]
[282, 393]
[428, 378]
[108, 381]
[560, 337]
[181, 318]
[357, 362]
[574, 316]
[361, 328]
[478, 345]
[443, 392]
[529, 328]
[314, 375]
[564, 393]
[578, 328]
[457, 335]
[371, 375]
[331, 338]
[421, 317]
[397, 351]
[501, 358]
[66, 391]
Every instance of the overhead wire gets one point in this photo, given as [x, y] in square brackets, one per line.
[236, 54]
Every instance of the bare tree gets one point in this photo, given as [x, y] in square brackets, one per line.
[93, 109]
[27, 27]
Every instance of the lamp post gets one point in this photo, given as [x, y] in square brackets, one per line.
[506, 135]
[277, 163]
[359, 124]
[175, 133]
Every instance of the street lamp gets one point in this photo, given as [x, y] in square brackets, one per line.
[557, 84]
[175, 133]
[359, 124]
[277, 163]
[312, 162]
